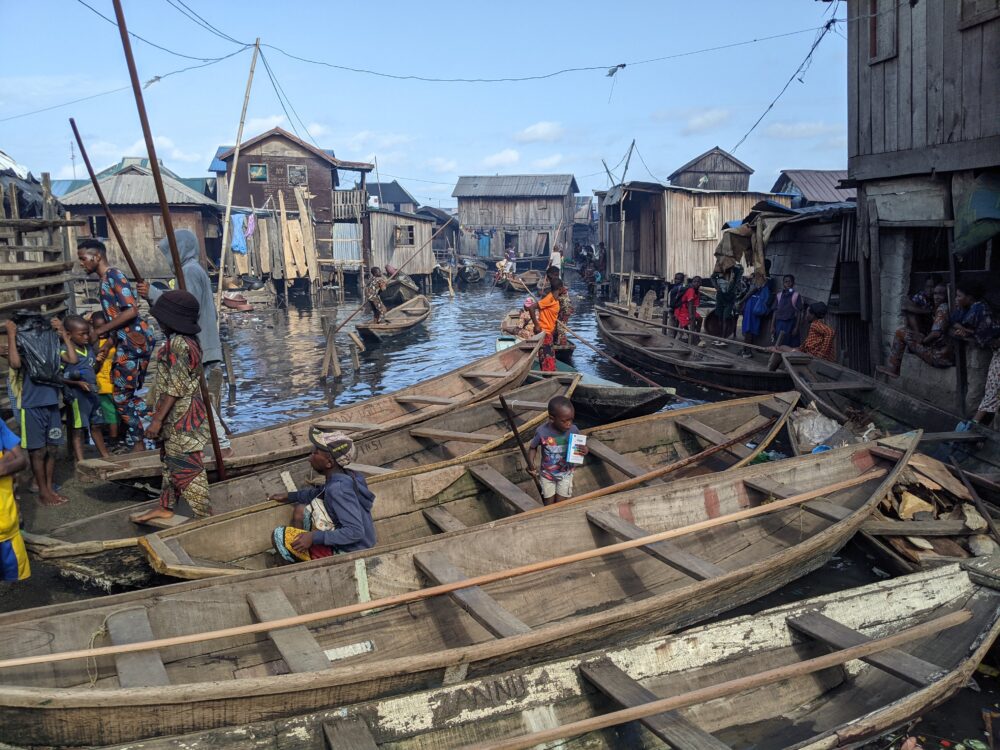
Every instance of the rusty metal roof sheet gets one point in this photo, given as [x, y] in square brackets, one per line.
[135, 187]
[516, 186]
[817, 185]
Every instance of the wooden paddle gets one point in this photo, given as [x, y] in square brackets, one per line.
[447, 588]
[520, 444]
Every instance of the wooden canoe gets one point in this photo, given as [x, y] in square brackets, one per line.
[101, 550]
[399, 290]
[475, 490]
[260, 448]
[836, 707]
[526, 282]
[545, 587]
[718, 367]
[508, 326]
[397, 320]
[856, 400]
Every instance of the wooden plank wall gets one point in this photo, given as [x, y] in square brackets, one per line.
[383, 239]
[523, 216]
[941, 87]
[723, 174]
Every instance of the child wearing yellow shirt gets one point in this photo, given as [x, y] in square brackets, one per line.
[105, 358]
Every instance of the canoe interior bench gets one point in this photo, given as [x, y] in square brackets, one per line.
[443, 519]
[331, 424]
[163, 523]
[350, 733]
[483, 608]
[369, 469]
[819, 507]
[513, 495]
[297, 645]
[514, 403]
[669, 726]
[141, 668]
[664, 551]
[485, 374]
[705, 432]
[842, 385]
[443, 436]
[613, 458]
[418, 399]
[898, 663]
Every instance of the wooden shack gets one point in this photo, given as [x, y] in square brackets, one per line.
[448, 238]
[924, 154]
[530, 213]
[399, 238]
[669, 229]
[131, 195]
[715, 169]
[391, 196]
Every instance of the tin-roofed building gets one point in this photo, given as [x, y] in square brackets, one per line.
[530, 213]
[716, 169]
[812, 187]
[392, 196]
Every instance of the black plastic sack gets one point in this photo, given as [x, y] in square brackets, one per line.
[38, 346]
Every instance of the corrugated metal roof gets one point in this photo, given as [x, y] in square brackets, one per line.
[713, 150]
[217, 164]
[135, 188]
[516, 186]
[817, 185]
[61, 187]
[391, 192]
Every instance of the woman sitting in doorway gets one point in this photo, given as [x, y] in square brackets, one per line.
[936, 348]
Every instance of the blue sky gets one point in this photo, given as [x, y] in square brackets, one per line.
[426, 132]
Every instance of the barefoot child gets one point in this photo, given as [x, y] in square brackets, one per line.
[13, 559]
[179, 421]
[556, 474]
[80, 376]
[105, 359]
[339, 517]
[41, 424]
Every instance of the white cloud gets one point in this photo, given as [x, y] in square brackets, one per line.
[257, 125]
[544, 131]
[166, 150]
[706, 121]
[548, 162]
[65, 172]
[504, 158]
[441, 165]
[375, 142]
[787, 130]
[317, 129]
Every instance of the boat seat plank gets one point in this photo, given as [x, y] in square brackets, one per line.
[826, 509]
[889, 527]
[369, 469]
[665, 551]
[442, 519]
[712, 435]
[636, 334]
[514, 403]
[418, 399]
[485, 374]
[897, 663]
[768, 486]
[520, 500]
[297, 646]
[182, 556]
[670, 726]
[141, 668]
[350, 733]
[820, 507]
[164, 523]
[483, 608]
[330, 424]
[842, 385]
[613, 458]
[951, 437]
[446, 435]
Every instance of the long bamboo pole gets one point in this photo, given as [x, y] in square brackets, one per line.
[447, 588]
[168, 224]
[232, 181]
[509, 415]
[739, 685]
[112, 222]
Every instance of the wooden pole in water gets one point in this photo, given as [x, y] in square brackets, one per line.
[447, 588]
[104, 205]
[520, 444]
[232, 180]
[168, 224]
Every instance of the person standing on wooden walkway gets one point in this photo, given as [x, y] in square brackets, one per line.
[132, 337]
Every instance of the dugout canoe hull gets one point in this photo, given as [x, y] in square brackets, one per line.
[508, 327]
[837, 707]
[260, 448]
[432, 641]
[410, 504]
[399, 290]
[717, 367]
[398, 320]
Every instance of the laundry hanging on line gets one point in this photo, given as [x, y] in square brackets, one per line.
[239, 241]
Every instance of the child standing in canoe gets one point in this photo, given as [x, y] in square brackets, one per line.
[338, 518]
[556, 472]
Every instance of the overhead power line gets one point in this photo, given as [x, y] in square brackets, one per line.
[186, 10]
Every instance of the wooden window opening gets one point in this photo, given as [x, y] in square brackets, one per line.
[157, 222]
[975, 12]
[257, 172]
[297, 174]
[405, 235]
[705, 223]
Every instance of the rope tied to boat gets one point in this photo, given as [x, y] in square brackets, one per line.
[92, 672]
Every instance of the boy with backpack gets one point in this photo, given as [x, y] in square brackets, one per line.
[80, 376]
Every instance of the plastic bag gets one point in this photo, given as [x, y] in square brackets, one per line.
[812, 428]
[38, 346]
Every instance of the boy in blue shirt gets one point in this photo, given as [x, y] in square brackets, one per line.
[41, 424]
[80, 375]
[556, 474]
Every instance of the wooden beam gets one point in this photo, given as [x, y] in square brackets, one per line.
[944, 157]
[666, 552]
[442, 519]
[32, 225]
[517, 498]
[443, 436]
[889, 527]
[485, 373]
[331, 424]
[527, 405]
[48, 299]
[483, 608]
[951, 437]
[297, 645]
[897, 663]
[139, 669]
[843, 385]
[712, 435]
[417, 399]
[612, 458]
[32, 269]
[350, 733]
[670, 726]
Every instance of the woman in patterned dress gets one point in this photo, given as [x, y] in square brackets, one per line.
[131, 335]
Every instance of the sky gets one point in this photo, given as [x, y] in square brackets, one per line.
[424, 133]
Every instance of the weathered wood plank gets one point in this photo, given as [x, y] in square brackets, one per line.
[332, 424]
[826, 509]
[612, 458]
[175, 546]
[485, 374]
[165, 523]
[917, 55]
[904, 83]
[952, 84]
[889, 527]
[483, 608]
[350, 733]
[843, 385]
[368, 469]
[972, 76]
[442, 519]
[864, 88]
[517, 498]
[297, 645]
[32, 269]
[445, 435]
[664, 551]
[712, 435]
[950, 437]
[890, 70]
[853, 62]
[897, 663]
[877, 93]
[670, 726]
[48, 299]
[140, 668]
[35, 282]
[517, 404]
[418, 399]
[934, 13]
[989, 114]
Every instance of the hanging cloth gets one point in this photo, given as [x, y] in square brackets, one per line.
[251, 226]
[239, 242]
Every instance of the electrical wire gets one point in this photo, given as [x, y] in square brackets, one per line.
[278, 92]
[146, 41]
[201, 21]
[648, 170]
[799, 71]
